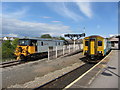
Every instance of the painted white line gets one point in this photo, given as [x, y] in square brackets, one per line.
[68, 86]
[94, 77]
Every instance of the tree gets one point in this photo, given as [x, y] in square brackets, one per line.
[15, 42]
[7, 50]
[62, 38]
[46, 36]
[59, 38]
[7, 44]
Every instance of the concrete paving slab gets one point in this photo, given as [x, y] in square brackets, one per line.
[108, 78]
[98, 77]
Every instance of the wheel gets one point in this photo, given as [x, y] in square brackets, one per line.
[22, 58]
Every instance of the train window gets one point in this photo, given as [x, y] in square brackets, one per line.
[99, 43]
[56, 43]
[59, 43]
[23, 42]
[33, 42]
[86, 43]
[41, 43]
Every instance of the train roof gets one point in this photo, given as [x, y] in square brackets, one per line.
[94, 36]
[41, 39]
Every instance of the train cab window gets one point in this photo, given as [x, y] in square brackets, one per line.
[23, 42]
[99, 43]
[86, 43]
[33, 42]
[41, 43]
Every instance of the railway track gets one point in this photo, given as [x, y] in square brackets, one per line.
[8, 64]
[63, 81]
[15, 62]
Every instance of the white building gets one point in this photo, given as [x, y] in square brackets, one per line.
[8, 38]
[114, 42]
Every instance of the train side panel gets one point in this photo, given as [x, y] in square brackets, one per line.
[31, 49]
[107, 46]
[44, 45]
[85, 45]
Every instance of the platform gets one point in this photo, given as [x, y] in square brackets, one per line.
[108, 78]
[102, 76]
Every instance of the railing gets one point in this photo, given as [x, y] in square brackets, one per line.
[56, 51]
[63, 50]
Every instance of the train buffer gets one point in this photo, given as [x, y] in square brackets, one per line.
[107, 77]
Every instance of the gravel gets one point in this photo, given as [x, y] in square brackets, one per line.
[34, 74]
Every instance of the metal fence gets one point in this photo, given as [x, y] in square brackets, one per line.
[63, 50]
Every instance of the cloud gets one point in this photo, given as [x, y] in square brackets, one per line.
[13, 26]
[16, 14]
[85, 8]
[64, 11]
[46, 17]
[10, 35]
[55, 21]
[21, 28]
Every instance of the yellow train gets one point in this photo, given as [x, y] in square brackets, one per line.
[95, 46]
[28, 48]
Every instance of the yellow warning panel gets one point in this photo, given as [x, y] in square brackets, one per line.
[92, 47]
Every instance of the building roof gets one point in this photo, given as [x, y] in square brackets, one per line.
[94, 36]
[114, 39]
[42, 39]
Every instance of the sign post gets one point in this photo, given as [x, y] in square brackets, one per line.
[73, 36]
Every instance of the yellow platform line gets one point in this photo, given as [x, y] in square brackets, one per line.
[68, 86]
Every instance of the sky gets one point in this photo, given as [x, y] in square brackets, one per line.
[32, 19]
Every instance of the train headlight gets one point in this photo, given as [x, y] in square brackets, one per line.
[86, 51]
[99, 51]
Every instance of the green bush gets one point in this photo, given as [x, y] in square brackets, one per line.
[46, 36]
[8, 48]
[15, 43]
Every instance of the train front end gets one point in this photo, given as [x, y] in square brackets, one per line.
[24, 49]
[93, 47]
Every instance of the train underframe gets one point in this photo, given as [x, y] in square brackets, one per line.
[34, 56]
[94, 58]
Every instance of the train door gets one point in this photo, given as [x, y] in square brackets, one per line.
[92, 46]
[33, 45]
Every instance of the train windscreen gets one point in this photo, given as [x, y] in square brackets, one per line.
[86, 43]
[23, 42]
